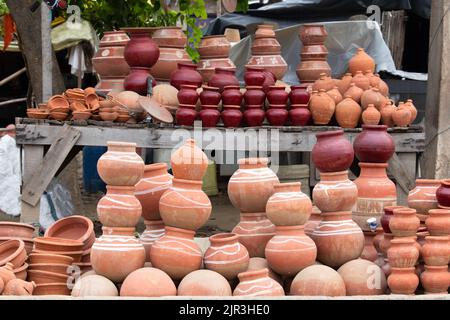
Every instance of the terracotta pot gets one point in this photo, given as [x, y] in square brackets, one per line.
[335, 95]
[231, 116]
[354, 92]
[314, 52]
[310, 71]
[371, 116]
[277, 95]
[207, 66]
[187, 94]
[185, 115]
[348, 113]
[176, 253]
[254, 231]
[288, 206]
[402, 253]
[13, 251]
[403, 281]
[141, 50]
[307, 283]
[44, 277]
[312, 34]
[254, 116]
[215, 46]
[438, 222]
[372, 96]
[322, 108]
[251, 185]
[204, 283]
[409, 105]
[226, 255]
[122, 158]
[385, 243]
[94, 285]
[363, 278]
[223, 77]
[119, 207]
[18, 287]
[257, 263]
[210, 96]
[443, 193]
[374, 144]
[254, 96]
[150, 188]
[185, 205]
[369, 252]
[189, 162]
[277, 115]
[209, 115]
[436, 250]
[232, 95]
[388, 214]
[109, 59]
[254, 76]
[148, 282]
[423, 196]
[56, 268]
[51, 289]
[170, 37]
[73, 227]
[435, 279]
[186, 73]
[154, 230]
[41, 258]
[313, 222]
[6, 273]
[138, 79]
[290, 250]
[404, 223]
[335, 192]
[16, 229]
[401, 116]
[344, 83]
[386, 114]
[274, 63]
[57, 244]
[257, 283]
[361, 61]
[332, 151]
[323, 83]
[299, 95]
[299, 115]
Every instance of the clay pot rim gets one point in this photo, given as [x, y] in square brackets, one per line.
[299, 105]
[378, 127]
[277, 106]
[275, 87]
[188, 86]
[119, 229]
[120, 144]
[232, 87]
[59, 241]
[253, 214]
[254, 87]
[214, 36]
[88, 224]
[253, 160]
[428, 267]
[189, 106]
[139, 68]
[125, 188]
[137, 30]
[405, 270]
[81, 112]
[15, 243]
[445, 182]
[403, 240]
[179, 230]
[153, 222]
[188, 65]
[32, 265]
[249, 67]
[155, 166]
[210, 88]
[223, 237]
[372, 165]
[437, 238]
[185, 181]
[226, 69]
[16, 224]
[210, 106]
[331, 133]
[428, 181]
[282, 185]
[51, 255]
[335, 173]
[405, 211]
[438, 212]
[82, 264]
[391, 209]
[232, 106]
[252, 273]
[48, 273]
[289, 228]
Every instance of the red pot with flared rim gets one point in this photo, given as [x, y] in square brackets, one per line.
[299, 95]
[388, 214]
[277, 95]
[185, 115]
[137, 80]
[402, 253]
[141, 50]
[332, 152]
[374, 144]
[254, 95]
[443, 193]
[254, 116]
[438, 222]
[299, 115]
[404, 223]
[232, 95]
[231, 116]
[254, 76]
[210, 115]
[186, 73]
[269, 77]
[210, 96]
[223, 77]
[187, 94]
[277, 115]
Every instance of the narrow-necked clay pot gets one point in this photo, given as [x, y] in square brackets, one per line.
[403, 280]
[348, 113]
[363, 277]
[335, 95]
[189, 162]
[204, 283]
[361, 61]
[344, 83]
[374, 144]
[409, 105]
[423, 197]
[354, 92]
[323, 83]
[307, 283]
[372, 96]
[322, 108]
[371, 116]
[361, 81]
[438, 222]
[404, 223]
[119, 207]
[332, 151]
[402, 253]
[7, 273]
[257, 283]
[436, 250]
[386, 114]
[313, 222]
[435, 279]
[401, 116]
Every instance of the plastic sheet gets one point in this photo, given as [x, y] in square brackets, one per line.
[10, 176]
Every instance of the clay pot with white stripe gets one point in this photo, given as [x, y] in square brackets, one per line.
[119, 207]
[257, 284]
[154, 230]
[151, 187]
[423, 197]
[189, 162]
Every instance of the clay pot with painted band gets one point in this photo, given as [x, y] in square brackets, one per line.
[402, 253]
[404, 223]
[153, 231]
[257, 283]
[189, 162]
[423, 196]
[119, 207]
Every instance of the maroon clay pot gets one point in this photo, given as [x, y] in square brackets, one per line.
[223, 77]
[231, 116]
[277, 95]
[254, 76]
[185, 115]
[232, 95]
[443, 193]
[299, 95]
[277, 115]
[332, 152]
[254, 115]
[388, 214]
[210, 96]
[209, 115]
[299, 115]
[187, 94]
[141, 50]
[137, 80]
[374, 144]
[186, 73]
[254, 96]
[269, 77]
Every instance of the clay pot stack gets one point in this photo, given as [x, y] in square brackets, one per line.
[184, 208]
[277, 115]
[266, 52]
[121, 168]
[299, 113]
[12, 284]
[254, 113]
[387, 236]
[337, 237]
[214, 51]
[186, 113]
[423, 197]
[210, 98]
[13, 251]
[231, 114]
[15, 230]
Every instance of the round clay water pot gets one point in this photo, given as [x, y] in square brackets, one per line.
[257, 284]
[401, 116]
[189, 162]
[187, 94]
[209, 115]
[323, 83]
[119, 207]
[371, 116]
[402, 253]
[150, 188]
[254, 76]
[277, 95]
[254, 95]
[232, 95]
[332, 151]
[354, 92]
[403, 281]
[94, 285]
[374, 144]
[322, 108]
[338, 239]
[122, 158]
[110, 251]
[137, 80]
[388, 214]
[344, 83]
[363, 278]
[210, 96]
[185, 115]
[185, 205]
[254, 231]
[254, 116]
[13, 251]
[404, 223]
[372, 96]
[299, 95]
[154, 229]
[443, 193]
[251, 185]
[299, 115]
[176, 253]
[223, 77]
[436, 250]
[361, 81]
[290, 250]
[148, 282]
[435, 279]
[348, 113]
[231, 116]
[16, 229]
[308, 283]
[186, 73]
[141, 50]
[288, 206]
[361, 61]
[258, 263]
[423, 196]
[335, 192]
[438, 222]
[226, 255]
[277, 115]
[204, 283]
[313, 222]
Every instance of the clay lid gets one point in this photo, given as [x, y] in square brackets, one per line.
[155, 109]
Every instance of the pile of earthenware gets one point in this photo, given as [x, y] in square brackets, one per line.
[214, 53]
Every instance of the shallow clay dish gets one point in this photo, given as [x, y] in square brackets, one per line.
[40, 258]
[42, 277]
[63, 269]
[57, 101]
[37, 114]
[108, 116]
[74, 227]
[13, 251]
[16, 229]
[61, 116]
[50, 289]
[21, 273]
[57, 244]
[81, 115]
[123, 118]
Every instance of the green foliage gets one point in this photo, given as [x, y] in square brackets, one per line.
[242, 6]
[3, 8]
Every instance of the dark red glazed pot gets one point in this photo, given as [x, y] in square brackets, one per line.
[277, 95]
[269, 77]
[388, 214]
[141, 50]
[374, 144]
[443, 193]
[299, 115]
[332, 152]
[209, 115]
[186, 73]
[210, 96]
[231, 116]
[137, 80]
[277, 115]
[254, 115]
[187, 94]
[185, 115]
[223, 77]
[254, 76]
[254, 96]
[299, 94]
[232, 96]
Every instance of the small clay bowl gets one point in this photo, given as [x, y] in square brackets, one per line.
[78, 106]
[16, 229]
[57, 244]
[62, 110]
[61, 116]
[81, 115]
[51, 289]
[123, 118]
[57, 101]
[42, 106]
[42, 277]
[73, 227]
[63, 269]
[21, 273]
[75, 255]
[108, 103]
[40, 258]
[37, 115]
[108, 116]
[13, 251]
